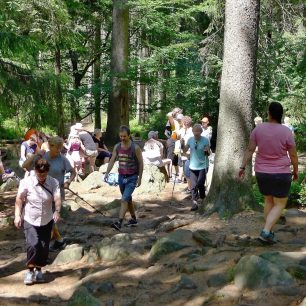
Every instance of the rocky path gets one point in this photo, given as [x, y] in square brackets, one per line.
[174, 257]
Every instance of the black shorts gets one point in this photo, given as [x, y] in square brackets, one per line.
[274, 184]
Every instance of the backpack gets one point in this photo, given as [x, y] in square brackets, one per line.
[133, 152]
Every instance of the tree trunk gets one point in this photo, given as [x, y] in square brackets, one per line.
[59, 93]
[118, 110]
[97, 76]
[228, 195]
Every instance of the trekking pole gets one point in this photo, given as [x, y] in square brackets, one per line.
[97, 210]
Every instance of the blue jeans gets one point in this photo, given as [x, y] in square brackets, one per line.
[127, 185]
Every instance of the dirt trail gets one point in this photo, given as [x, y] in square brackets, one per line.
[136, 279]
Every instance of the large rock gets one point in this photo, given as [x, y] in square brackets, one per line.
[255, 272]
[71, 253]
[118, 247]
[82, 297]
[93, 181]
[201, 236]
[175, 241]
[153, 181]
[173, 224]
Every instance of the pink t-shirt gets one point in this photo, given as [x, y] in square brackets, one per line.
[273, 141]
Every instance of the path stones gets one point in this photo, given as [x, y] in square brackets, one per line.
[155, 222]
[104, 288]
[173, 224]
[201, 236]
[184, 283]
[255, 272]
[116, 248]
[217, 280]
[71, 253]
[175, 241]
[82, 297]
[93, 181]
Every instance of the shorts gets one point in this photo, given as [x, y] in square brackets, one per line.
[104, 154]
[274, 184]
[91, 153]
[127, 185]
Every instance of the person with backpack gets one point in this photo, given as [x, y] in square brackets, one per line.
[130, 170]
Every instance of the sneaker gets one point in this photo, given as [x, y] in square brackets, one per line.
[116, 225]
[194, 206]
[38, 277]
[57, 245]
[29, 278]
[267, 238]
[131, 223]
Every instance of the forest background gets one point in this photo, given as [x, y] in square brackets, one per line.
[55, 62]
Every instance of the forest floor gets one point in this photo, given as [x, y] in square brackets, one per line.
[134, 279]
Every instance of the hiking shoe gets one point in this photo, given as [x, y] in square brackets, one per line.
[57, 245]
[267, 238]
[29, 278]
[116, 225]
[132, 222]
[38, 277]
[194, 207]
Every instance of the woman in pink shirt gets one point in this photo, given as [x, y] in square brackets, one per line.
[272, 166]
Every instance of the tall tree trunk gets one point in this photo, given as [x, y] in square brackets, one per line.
[142, 89]
[227, 194]
[118, 110]
[97, 76]
[59, 93]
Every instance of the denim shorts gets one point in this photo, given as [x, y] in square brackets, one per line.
[127, 185]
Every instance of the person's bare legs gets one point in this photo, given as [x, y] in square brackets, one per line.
[131, 209]
[268, 205]
[123, 209]
[92, 161]
[275, 212]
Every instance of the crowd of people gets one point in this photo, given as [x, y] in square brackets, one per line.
[184, 157]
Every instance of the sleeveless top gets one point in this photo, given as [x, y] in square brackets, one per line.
[128, 164]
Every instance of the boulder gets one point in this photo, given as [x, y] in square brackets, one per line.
[153, 181]
[82, 297]
[255, 272]
[217, 280]
[175, 241]
[156, 222]
[93, 181]
[103, 168]
[73, 205]
[118, 247]
[71, 253]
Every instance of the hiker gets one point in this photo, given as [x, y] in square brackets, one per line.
[207, 129]
[28, 147]
[90, 147]
[288, 125]
[184, 135]
[103, 154]
[257, 120]
[130, 170]
[59, 166]
[74, 149]
[154, 152]
[199, 152]
[37, 192]
[272, 166]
